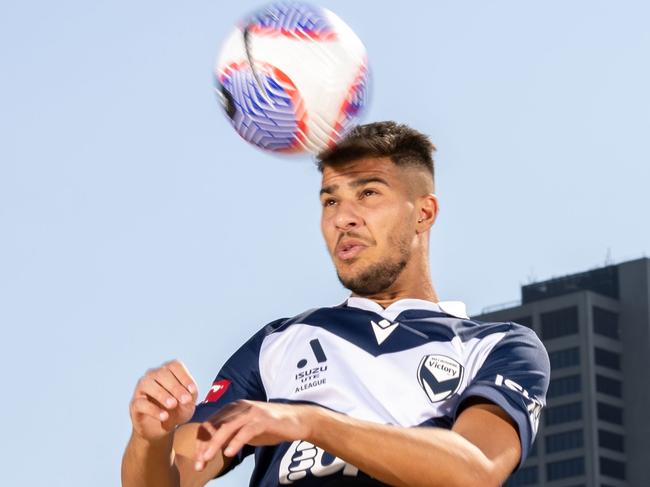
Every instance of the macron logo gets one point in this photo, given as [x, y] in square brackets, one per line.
[382, 330]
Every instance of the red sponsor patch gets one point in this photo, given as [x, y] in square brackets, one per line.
[218, 389]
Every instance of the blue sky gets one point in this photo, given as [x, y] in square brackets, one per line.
[135, 225]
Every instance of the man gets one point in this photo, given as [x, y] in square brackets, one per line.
[391, 387]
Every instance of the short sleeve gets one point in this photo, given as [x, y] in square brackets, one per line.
[238, 379]
[515, 376]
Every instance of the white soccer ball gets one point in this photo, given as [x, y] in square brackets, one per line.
[292, 77]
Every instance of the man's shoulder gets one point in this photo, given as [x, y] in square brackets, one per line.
[473, 328]
[312, 315]
[252, 347]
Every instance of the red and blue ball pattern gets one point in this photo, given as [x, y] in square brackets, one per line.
[354, 103]
[292, 19]
[271, 116]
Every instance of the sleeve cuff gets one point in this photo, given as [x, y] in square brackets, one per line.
[518, 416]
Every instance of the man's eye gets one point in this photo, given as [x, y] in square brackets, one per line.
[368, 192]
[329, 202]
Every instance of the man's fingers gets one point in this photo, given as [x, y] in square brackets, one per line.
[184, 377]
[168, 380]
[150, 388]
[144, 406]
[204, 434]
[216, 442]
[219, 436]
[243, 436]
[225, 425]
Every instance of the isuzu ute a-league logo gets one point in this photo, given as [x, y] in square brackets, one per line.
[313, 376]
[439, 376]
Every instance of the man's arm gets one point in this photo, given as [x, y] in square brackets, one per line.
[158, 454]
[161, 464]
[148, 463]
[482, 449]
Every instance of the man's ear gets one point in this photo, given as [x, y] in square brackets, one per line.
[427, 213]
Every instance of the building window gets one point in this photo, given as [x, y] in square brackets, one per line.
[609, 386]
[526, 321]
[606, 323]
[523, 476]
[609, 413]
[605, 358]
[559, 323]
[564, 441]
[612, 468]
[612, 441]
[564, 358]
[563, 414]
[565, 468]
[564, 386]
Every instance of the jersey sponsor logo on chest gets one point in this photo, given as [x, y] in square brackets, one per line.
[303, 458]
[314, 376]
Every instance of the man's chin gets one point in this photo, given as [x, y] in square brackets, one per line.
[350, 270]
[366, 280]
[360, 283]
[353, 267]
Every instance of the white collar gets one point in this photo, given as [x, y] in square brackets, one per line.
[453, 308]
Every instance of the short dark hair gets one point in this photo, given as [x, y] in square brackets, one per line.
[404, 146]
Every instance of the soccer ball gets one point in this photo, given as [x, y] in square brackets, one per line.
[292, 78]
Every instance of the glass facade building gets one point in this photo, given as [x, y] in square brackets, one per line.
[595, 325]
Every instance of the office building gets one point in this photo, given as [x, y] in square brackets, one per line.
[595, 325]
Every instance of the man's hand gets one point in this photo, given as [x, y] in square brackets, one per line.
[163, 399]
[253, 423]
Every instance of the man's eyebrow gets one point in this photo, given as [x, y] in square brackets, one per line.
[371, 179]
[331, 189]
[328, 189]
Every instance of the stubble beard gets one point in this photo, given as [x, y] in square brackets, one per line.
[378, 276]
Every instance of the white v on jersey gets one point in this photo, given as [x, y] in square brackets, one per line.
[411, 364]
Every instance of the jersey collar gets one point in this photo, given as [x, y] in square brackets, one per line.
[453, 308]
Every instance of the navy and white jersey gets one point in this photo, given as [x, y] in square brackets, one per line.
[411, 364]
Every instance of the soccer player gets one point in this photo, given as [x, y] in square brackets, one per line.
[391, 387]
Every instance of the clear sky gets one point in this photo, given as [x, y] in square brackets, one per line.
[135, 225]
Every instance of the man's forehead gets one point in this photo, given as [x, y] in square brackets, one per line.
[410, 178]
[382, 167]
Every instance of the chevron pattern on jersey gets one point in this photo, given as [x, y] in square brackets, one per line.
[272, 116]
[292, 19]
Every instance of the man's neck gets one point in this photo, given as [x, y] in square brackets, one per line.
[389, 296]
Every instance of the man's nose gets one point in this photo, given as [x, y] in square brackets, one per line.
[347, 217]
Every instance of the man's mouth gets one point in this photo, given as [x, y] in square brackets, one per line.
[349, 250]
